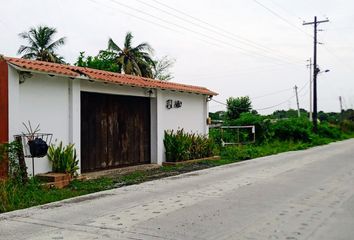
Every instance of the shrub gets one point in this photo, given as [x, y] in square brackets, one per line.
[296, 129]
[182, 146]
[17, 172]
[329, 131]
[215, 134]
[347, 126]
[261, 123]
[63, 158]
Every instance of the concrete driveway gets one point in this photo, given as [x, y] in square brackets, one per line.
[297, 195]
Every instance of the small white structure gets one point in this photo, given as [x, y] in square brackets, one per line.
[113, 119]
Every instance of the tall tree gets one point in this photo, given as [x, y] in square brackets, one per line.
[41, 45]
[105, 60]
[134, 60]
[236, 106]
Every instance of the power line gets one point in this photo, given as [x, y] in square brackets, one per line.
[282, 18]
[155, 23]
[209, 27]
[337, 58]
[269, 107]
[286, 10]
[273, 93]
[240, 49]
[233, 73]
[140, 18]
[259, 109]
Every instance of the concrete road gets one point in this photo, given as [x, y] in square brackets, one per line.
[297, 195]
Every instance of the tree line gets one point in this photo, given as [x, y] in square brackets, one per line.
[128, 59]
[235, 107]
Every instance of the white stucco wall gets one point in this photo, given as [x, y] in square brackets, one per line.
[42, 100]
[191, 116]
[54, 102]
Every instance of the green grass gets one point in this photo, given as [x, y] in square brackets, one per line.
[15, 196]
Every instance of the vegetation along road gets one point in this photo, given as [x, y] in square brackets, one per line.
[306, 194]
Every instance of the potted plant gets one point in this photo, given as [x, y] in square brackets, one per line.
[37, 146]
[64, 159]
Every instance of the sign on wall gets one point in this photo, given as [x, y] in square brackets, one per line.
[173, 104]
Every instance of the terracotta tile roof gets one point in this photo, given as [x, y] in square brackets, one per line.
[105, 76]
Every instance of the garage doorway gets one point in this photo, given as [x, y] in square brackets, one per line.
[115, 131]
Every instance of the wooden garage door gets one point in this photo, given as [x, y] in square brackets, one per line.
[115, 131]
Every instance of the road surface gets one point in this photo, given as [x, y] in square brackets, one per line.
[296, 195]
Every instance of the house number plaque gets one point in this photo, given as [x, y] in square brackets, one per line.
[173, 104]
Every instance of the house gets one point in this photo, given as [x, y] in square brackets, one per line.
[113, 119]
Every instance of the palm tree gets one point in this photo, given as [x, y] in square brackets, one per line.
[41, 45]
[134, 60]
[161, 70]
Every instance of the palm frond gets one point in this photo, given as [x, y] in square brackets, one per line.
[128, 40]
[29, 56]
[113, 46]
[26, 49]
[57, 43]
[144, 47]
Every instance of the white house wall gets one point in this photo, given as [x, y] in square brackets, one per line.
[42, 100]
[54, 103]
[191, 116]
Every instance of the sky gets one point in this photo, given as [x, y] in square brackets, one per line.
[255, 48]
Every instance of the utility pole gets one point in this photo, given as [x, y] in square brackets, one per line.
[316, 70]
[341, 104]
[310, 108]
[297, 101]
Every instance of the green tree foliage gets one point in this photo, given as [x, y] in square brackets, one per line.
[219, 115]
[134, 60]
[41, 45]
[105, 60]
[161, 69]
[236, 106]
[261, 123]
[348, 115]
[291, 113]
[295, 129]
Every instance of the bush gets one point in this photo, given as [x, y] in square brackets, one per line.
[329, 131]
[261, 123]
[295, 129]
[347, 126]
[182, 146]
[63, 159]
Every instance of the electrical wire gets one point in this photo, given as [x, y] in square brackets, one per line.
[273, 93]
[269, 107]
[211, 28]
[339, 60]
[282, 18]
[155, 24]
[240, 49]
[286, 10]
